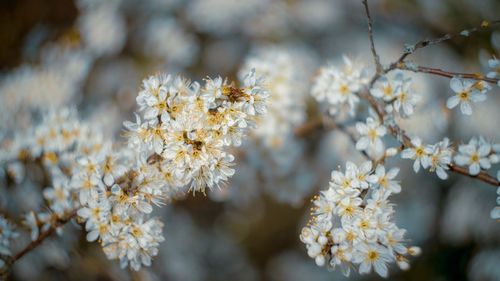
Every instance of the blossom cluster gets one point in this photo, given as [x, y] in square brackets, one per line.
[396, 90]
[51, 148]
[187, 128]
[352, 222]
[478, 155]
[179, 140]
[436, 157]
[338, 87]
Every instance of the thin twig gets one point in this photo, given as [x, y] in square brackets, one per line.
[448, 74]
[309, 127]
[376, 58]
[429, 42]
[43, 235]
[326, 124]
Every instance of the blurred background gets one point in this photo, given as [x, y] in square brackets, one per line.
[93, 54]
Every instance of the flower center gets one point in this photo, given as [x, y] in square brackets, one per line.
[474, 157]
[464, 96]
[372, 255]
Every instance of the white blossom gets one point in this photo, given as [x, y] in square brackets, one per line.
[465, 93]
[405, 97]
[475, 155]
[371, 135]
[353, 228]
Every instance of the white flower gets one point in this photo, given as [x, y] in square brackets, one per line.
[406, 99]
[94, 212]
[88, 187]
[371, 134]
[465, 93]
[475, 155]
[439, 158]
[384, 89]
[418, 152]
[213, 89]
[59, 195]
[363, 175]
[257, 94]
[369, 255]
[385, 180]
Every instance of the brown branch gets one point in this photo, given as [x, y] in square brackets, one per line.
[405, 141]
[376, 58]
[326, 124]
[43, 235]
[311, 126]
[448, 74]
[429, 42]
[483, 176]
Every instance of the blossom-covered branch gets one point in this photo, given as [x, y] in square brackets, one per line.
[351, 225]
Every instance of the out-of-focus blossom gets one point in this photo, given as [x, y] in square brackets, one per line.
[102, 29]
[338, 86]
[166, 39]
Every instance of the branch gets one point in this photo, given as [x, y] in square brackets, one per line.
[405, 141]
[448, 74]
[43, 235]
[376, 58]
[327, 124]
[429, 42]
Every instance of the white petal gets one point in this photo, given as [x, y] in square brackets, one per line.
[466, 108]
[456, 85]
[416, 166]
[362, 143]
[92, 236]
[452, 102]
[474, 169]
[381, 268]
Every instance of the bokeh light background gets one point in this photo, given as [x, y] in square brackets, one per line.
[93, 54]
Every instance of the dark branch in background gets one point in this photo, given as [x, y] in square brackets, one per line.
[376, 58]
[326, 124]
